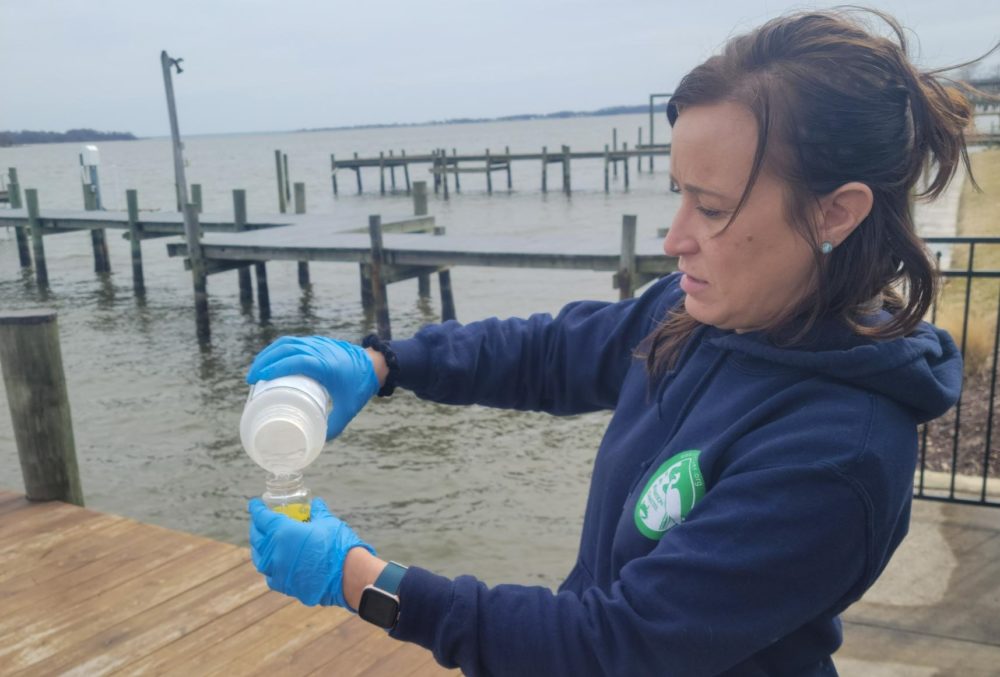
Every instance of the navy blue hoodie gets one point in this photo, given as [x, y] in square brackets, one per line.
[738, 503]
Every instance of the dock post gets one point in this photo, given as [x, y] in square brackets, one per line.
[625, 164]
[444, 171]
[39, 406]
[357, 173]
[300, 208]
[240, 221]
[333, 172]
[198, 274]
[545, 169]
[14, 194]
[406, 171]
[509, 183]
[392, 171]
[447, 299]
[435, 170]
[607, 183]
[566, 177]
[458, 182]
[614, 149]
[638, 155]
[98, 237]
[381, 172]
[420, 209]
[627, 266]
[263, 297]
[196, 197]
[489, 173]
[135, 241]
[288, 192]
[35, 224]
[378, 286]
[281, 187]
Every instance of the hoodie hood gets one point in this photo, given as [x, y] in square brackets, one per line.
[922, 371]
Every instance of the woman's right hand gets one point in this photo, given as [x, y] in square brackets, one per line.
[346, 371]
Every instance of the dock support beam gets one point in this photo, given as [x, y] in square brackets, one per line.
[98, 238]
[333, 172]
[14, 194]
[420, 209]
[263, 297]
[357, 173]
[39, 406]
[607, 183]
[135, 242]
[380, 298]
[565, 165]
[198, 273]
[627, 265]
[545, 169]
[240, 221]
[300, 208]
[406, 171]
[489, 173]
[281, 183]
[447, 299]
[381, 172]
[444, 172]
[510, 183]
[458, 181]
[625, 164]
[37, 246]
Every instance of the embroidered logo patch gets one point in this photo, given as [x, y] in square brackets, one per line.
[669, 495]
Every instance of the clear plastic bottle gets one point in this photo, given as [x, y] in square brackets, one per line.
[283, 429]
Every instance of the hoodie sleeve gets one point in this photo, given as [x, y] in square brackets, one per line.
[760, 555]
[573, 363]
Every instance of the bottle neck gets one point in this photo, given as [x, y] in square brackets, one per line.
[284, 484]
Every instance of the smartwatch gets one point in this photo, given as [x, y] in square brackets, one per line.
[380, 601]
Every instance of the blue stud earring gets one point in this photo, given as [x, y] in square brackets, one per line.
[826, 247]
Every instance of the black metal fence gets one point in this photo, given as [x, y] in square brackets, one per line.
[958, 462]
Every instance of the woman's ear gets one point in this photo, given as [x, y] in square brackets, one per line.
[843, 210]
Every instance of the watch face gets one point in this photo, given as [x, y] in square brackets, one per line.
[378, 607]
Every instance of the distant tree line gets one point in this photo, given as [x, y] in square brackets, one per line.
[10, 138]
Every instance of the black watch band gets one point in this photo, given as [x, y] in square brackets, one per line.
[391, 361]
[380, 602]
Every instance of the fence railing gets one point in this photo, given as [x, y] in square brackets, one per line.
[958, 462]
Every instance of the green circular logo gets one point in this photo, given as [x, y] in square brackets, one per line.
[669, 495]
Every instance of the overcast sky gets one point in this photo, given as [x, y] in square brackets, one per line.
[256, 65]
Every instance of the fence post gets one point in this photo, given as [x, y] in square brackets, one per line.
[135, 241]
[39, 406]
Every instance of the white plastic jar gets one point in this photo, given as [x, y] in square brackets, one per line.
[283, 427]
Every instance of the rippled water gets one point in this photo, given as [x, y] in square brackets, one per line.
[494, 493]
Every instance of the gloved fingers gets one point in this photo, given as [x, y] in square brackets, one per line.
[270, 355]
[338, 419]
[319, 511]
[264, 519]
[306, 365]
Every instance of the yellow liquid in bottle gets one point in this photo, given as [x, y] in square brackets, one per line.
[297, 511]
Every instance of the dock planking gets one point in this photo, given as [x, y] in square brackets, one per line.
[85, 593]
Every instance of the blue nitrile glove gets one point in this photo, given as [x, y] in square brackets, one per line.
[304, 560]
[344, 369]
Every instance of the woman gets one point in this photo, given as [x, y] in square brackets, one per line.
[757, 474]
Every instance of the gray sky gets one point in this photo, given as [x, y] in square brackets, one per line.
[257, 65]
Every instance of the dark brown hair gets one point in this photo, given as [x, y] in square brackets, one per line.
[836, 103]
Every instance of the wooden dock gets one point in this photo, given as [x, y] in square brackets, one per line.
[86, 593]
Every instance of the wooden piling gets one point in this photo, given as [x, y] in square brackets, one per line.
[607, 183]
[447, 299]
[31, 361]
[436, 170]
[300, 208]
[196, 197]
[288, 192]
[638, 158]
[545, 169]
[406, 171]
[98, 237]
[333, 172]
[625, 164]
[381, 172]
[444, 171]
[420, 209]
[614, 149]
[199, 275]
[357, 173]
[38, 248]
[509, 182]
[381, 301]
[627, 266]
[458, 181]
[566, 175]
[281, 187]
[14, 195]
[263, 297]
[489, 173]
[240, 221]
[392, 172]
[135, 241]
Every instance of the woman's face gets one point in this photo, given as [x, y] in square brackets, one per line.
[744, 276]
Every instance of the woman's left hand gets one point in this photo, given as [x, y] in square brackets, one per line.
[302, 559]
